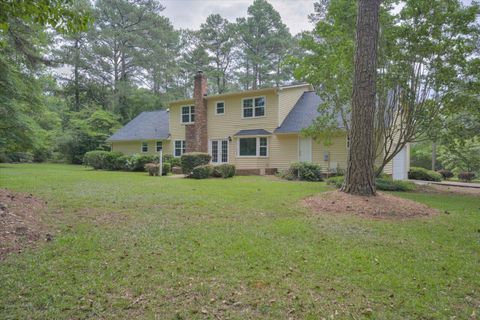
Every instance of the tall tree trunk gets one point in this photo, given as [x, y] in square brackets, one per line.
[359, 178]
[76, 75]
[434, 155]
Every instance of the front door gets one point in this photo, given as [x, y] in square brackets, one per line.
[219, 151]
[305, 149]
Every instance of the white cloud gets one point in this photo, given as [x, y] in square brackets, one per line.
[191, 13]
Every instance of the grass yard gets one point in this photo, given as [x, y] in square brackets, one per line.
[132, 246]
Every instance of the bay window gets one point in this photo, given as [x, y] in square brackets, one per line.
[253, 147]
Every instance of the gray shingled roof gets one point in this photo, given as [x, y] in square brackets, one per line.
[253, 132]
[302, 114]
[152, 125]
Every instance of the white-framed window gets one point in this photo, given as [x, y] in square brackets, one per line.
[187, 114]
[262, 147]
[179, 148]
[220, 107]
[219, 151]
[252, 147]
[253, 107]
[159, 146]
[144, 147]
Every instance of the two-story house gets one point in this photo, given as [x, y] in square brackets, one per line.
[259, 131]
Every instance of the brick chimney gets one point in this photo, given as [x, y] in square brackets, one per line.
[196, 137]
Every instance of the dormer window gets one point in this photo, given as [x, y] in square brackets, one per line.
[188, 114]
[253, 107]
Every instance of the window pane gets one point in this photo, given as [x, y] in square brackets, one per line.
[263, 147]
[183, 146]
[185, 110]
[224, 151]
[248, 146]
[247, 113]
[178, 148]
[259, 102]
[263, 151]
[220, 107]
[159, 145]
[247, 103]
[192, 118]
[259, 111]
[185, 118]
[215, 151]
[144, 147]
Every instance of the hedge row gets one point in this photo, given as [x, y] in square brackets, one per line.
[193, 159]
[206, 171]
[111, 160]
[382, 183]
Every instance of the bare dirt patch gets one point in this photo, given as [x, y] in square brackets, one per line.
[382, 206]
[20, 221]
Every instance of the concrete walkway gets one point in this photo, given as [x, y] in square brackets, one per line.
[448, 183]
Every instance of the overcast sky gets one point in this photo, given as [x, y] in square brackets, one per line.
[191, 13]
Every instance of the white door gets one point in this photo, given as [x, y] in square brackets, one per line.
[400, 165]
[219, 151]
[305, 149]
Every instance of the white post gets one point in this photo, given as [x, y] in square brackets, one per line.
[161, 162]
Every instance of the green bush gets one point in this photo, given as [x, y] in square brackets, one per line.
[4, 158]
[224, 171]
[202, 171]
[110, 160]
[382, 183]
[121, 163]
[166, 168]
[102, 159]
[194, 159]
[174, 162]
[41, 155]
[466, 176]
[138, 161]
[20, 157]
[394, 185]
[423, 174]
[336, 181]
[304, 171]
[446, 174]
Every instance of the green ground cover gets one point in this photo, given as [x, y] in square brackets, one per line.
[133, 246]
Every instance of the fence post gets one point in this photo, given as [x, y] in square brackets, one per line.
[161, 162]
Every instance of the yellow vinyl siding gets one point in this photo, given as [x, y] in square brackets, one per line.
[337, 153]
[131, 147]
[283, 150]
[177, 129]
[287, 98]
[229, 123]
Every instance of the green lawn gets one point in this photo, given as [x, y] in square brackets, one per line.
[134, 246]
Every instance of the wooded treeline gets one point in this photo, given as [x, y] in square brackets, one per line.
[66, 89]
[72, 72]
